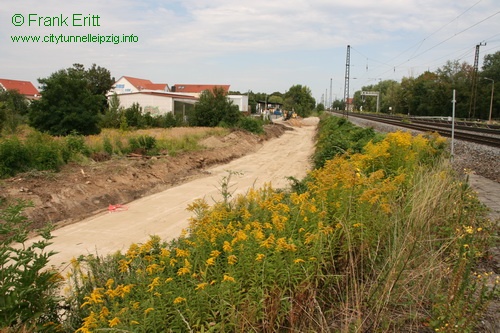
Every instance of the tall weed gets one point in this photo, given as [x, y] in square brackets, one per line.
[28, 288]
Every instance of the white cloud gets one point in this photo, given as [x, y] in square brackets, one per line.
[244, 43]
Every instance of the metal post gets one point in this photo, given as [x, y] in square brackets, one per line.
[346, 84]
[453, 126]
[491, 100]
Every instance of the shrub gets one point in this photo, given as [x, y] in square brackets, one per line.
[337, 136]
[143, 144]
[74, 146]
[251, 124]
[107, 145]
[45, 153]
[28, 290]
[14, 157]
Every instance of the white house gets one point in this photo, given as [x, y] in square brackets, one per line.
[159, 99]
[157, 103]
[240, 100]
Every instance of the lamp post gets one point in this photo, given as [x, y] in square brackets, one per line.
[492, 91]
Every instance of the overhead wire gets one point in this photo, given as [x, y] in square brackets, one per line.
[420, 43]
[445, 40]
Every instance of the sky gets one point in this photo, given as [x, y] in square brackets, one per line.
[259, 45]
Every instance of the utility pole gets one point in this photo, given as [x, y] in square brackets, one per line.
[491, 99]
[472, 108]
[346, 84]
[331, 101]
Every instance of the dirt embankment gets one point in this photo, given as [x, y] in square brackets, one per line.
[79, 191]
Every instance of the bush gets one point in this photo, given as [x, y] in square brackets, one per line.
[143, 144]
[13, 157]
[28, 290]
[337, 136]
[251, 124]
[107, 145]
[45, 153]
[74, 145]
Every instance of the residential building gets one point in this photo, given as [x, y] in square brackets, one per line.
[158, 103]
[25, 88]
[196, 89]
[128, 84]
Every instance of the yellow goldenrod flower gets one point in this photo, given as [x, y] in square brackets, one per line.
[231, 260]
[181, 253]
[94, 298]
[153, 284]
[258, 234]
[152, 268]
[179, 300]
[227, 247]
[298, 261]
[201, 286]
[183, 271]
[110, 283]
[134, 322]
[104, 312]
[215, 253]
[113, 322]
[228, 278]
[169, 280]
[269, 242]
[259, 257]
[210, 261]
[148, 310]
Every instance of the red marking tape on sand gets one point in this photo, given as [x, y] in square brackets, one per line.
[117, 208]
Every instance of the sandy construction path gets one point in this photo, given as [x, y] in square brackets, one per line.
[164, 214]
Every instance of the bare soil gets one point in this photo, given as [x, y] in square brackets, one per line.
[80, 191]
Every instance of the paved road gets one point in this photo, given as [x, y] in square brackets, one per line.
[165, 214]
[488, 192]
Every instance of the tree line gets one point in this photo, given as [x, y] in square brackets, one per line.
[430, 94]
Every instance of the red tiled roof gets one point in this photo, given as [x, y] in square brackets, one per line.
[23, 87]
[156, 86]
[141, 84]
[198, 88]
[138, 83]
[161, 94]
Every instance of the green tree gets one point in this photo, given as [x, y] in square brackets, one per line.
[338, 104]
[299, 99]
[72, 100]
[275, 99]
[214, 109]
[13, 110]
[491, 70]
[134, 117]
[99, 79]
[111, 117]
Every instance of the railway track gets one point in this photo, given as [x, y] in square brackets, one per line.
[483, 136]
